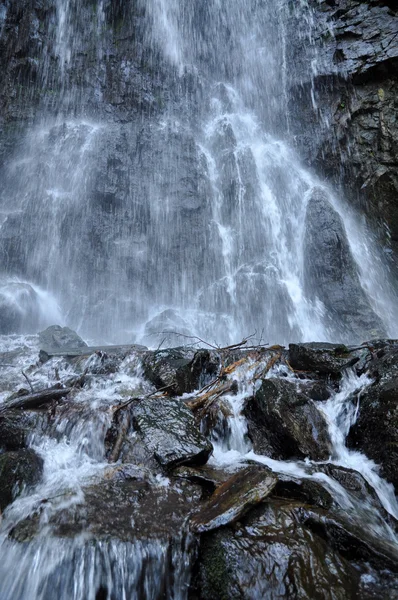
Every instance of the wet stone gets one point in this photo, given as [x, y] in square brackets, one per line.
[57, 338]
[180, 370]
[350, 540]
[269, 554]
[375, 432]
[19, 469]
[168, 430]
[284, 423]
[353, 482]
[15, 427]
[208, 477]
[321, 358]
[124, 508]
[234, 498]
[304, 490]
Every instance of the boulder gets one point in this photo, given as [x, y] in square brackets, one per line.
[15, 426]
[58, 338]
[180, 370]
[18, 470]
[321, 358]
[353, 482]
[331, 274]
[169, 433]
[206, 476]
[125, 508]
[269, 554]
[284, 423]
[234, 498]
[307, 491]
[376, 432]
[350, 540]
[167, 329]
[20, 310]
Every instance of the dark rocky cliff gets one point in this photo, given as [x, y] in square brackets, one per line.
[352, 134]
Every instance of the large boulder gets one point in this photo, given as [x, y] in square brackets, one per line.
[15, 426]
[321, 358]
[20, 310]
[168, 430]
[18, 470]
[376, 430]
[331, 274]
[180, 370]
[59, 338]
[166, 329]
[269, 554]
[284, 423]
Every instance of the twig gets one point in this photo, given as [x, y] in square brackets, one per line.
[191, 337]
[29, 382]
[116, 409]
[161, 343]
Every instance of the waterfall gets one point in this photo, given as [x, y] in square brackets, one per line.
[135, 209]
[152, 193]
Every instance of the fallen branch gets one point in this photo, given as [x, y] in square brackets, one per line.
[29, 382]
[207, 399]
[32, 401]
[114, 456]
[272, 361]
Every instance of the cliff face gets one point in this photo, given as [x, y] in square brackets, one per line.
[138, 167]
[350, 132]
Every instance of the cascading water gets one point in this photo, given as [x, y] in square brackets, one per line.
[152, 194]
[135, 203]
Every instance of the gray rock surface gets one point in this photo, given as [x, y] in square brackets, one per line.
[167, 428]
[331, 275]
[20, 309]
[322, 358]
[234, 498]
[271, 555]
[376, 432]
[18, 469]
[180, 370]
[352, 134]
[284, 423]
[56, 338]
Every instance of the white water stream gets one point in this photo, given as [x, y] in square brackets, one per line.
[340, 411]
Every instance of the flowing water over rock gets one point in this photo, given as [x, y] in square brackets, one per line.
[113, 499]
[150, 193]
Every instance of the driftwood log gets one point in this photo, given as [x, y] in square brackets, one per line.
[32, 401]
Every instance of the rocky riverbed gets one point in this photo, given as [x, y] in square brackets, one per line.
[201, 473]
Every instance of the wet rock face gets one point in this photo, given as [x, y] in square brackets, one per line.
[376, 430]
[20, 309]
[331, 274]
[284, 423]
[234, 498]
[356, 89]
[57, 338]
[131, 506]
[179, 370]
[17, 470]
[321, 358]
[15, 427]
[270, 555]
[167, 429]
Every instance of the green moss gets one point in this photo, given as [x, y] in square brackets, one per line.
[214, 568]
